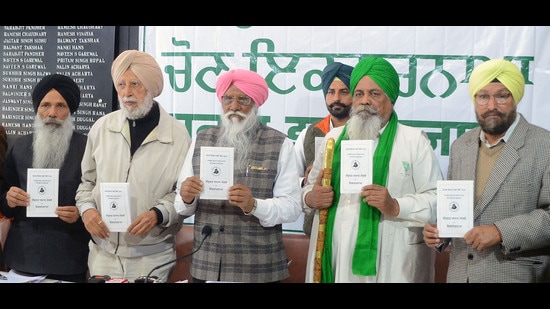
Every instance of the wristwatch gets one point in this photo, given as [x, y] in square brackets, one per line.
[250, 213]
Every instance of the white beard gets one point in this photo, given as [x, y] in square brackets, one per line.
[364, 123]
[140, 111]
[235, 133]
[51, 143]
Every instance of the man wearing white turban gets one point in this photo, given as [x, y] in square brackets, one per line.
[246, 243]
[507, 158]
[140, 144]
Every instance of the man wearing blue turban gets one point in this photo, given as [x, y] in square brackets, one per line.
[507, 158]
[335, 85]
[374, 235]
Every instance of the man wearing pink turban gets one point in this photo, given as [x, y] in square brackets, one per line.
[246, 244]
[142, 145]
[507, 158]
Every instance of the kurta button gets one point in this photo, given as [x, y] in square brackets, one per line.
[470, 256]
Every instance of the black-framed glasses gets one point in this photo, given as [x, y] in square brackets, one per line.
[241, 100]
[500, 98]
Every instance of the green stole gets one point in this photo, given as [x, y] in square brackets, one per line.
[366, 247]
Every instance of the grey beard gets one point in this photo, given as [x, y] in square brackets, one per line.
[51, 143]
[360, 129]
[238, 134]
[141, 110]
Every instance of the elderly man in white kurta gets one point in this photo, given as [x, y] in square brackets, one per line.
[375, 235]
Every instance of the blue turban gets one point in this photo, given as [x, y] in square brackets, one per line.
[333, 70]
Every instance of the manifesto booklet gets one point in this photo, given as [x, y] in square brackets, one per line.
[355, 165]
[43, 187]
[115, 205]
[216, 171]
[455, 207]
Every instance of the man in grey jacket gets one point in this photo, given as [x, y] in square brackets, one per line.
[142, 145]
[507, 158]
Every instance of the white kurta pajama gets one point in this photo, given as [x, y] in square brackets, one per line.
[402, 254]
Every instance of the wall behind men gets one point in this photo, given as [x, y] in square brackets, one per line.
[85, 53]
[434, 64]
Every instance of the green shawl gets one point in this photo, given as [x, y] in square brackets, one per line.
[366, 247]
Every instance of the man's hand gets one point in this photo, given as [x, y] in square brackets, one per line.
[379, 197]
[320, 197]
[68, 214]
[17, 197]
[190, 188]
[94, 224]
[431, 235]
[143, 224]
[241, 196]
[483, 236]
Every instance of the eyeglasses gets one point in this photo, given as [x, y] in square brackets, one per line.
[245, 101]
[500, 98]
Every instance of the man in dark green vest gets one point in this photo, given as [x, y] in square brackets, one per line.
[335, 83]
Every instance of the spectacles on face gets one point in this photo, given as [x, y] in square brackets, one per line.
[245, 101]
[500, 98]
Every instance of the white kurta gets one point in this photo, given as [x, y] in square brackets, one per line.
[402, 254]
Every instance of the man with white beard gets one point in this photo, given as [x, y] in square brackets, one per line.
[246, 244]
[144, 146]
[375, 234]
[58, 246]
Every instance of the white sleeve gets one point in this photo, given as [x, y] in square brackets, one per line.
[186, 171]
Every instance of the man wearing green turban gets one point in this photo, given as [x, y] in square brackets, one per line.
[375, 234]
[508, 160]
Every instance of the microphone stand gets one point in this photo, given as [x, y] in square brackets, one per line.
[206, 231]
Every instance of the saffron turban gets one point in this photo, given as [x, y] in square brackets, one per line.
[335, 70]
[249, 82]
[504, 71]
[68, 89]
[143, 65]
[381, 72]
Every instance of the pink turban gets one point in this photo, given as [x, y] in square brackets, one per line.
[143, 65]
[249, 82]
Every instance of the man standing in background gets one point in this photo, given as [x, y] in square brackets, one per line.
[335, 83]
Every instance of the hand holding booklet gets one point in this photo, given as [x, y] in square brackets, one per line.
[115, 205]
[455, 207]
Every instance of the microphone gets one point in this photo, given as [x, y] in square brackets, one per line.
[206, 231]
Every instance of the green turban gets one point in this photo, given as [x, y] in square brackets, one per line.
[381, 72]
[505, 71]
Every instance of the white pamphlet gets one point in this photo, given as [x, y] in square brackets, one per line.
[355, 165]
[115, 205]
[216, 171]
[455, 207]
[43, 187]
